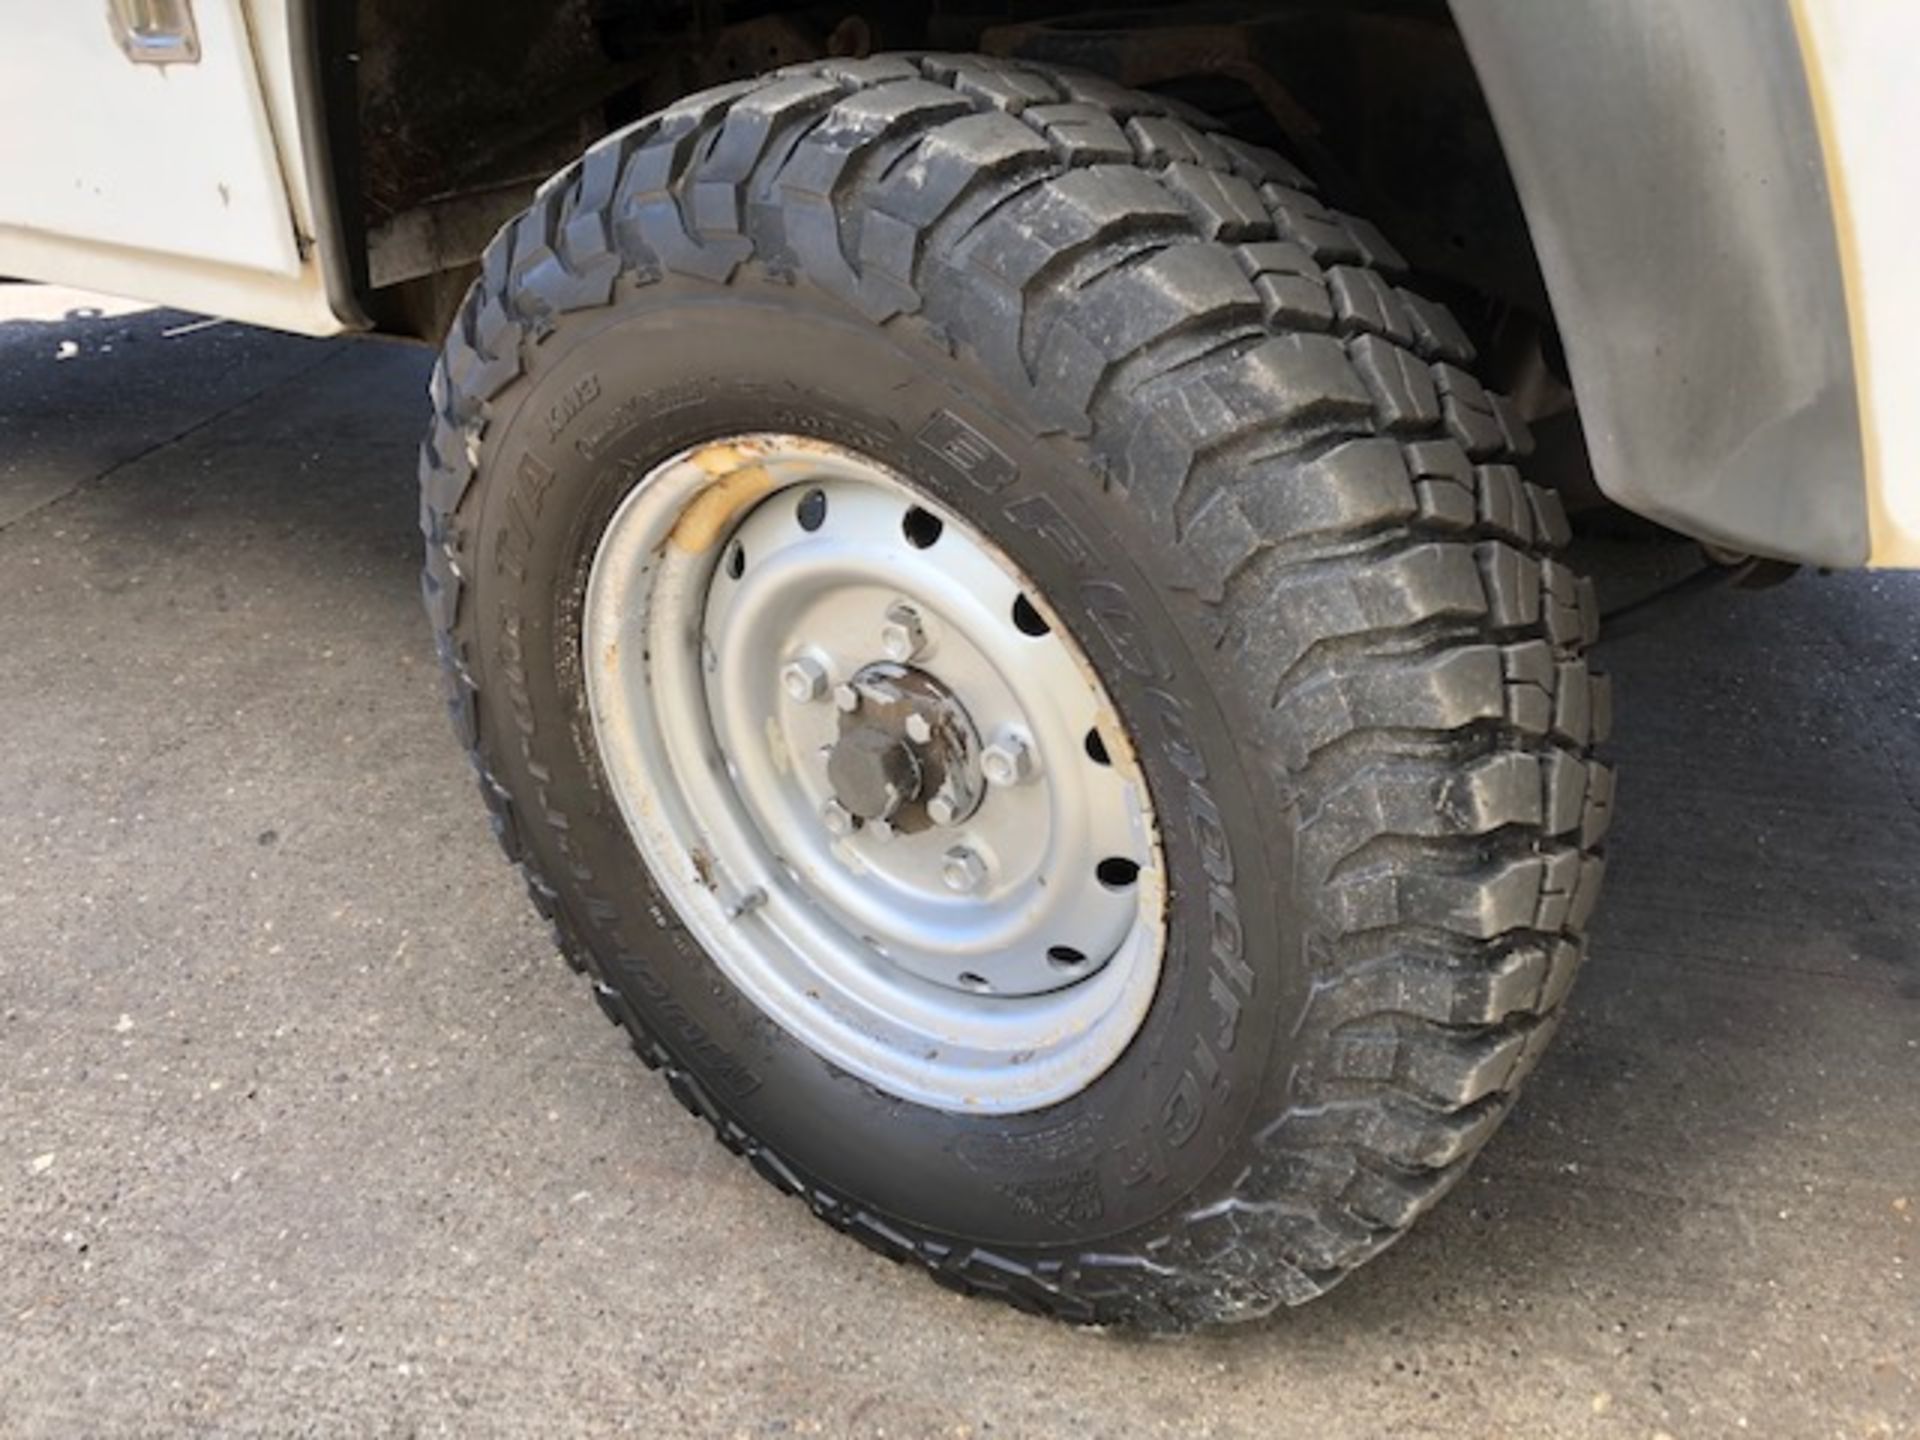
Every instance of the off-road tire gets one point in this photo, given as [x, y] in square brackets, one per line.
[1382, 811]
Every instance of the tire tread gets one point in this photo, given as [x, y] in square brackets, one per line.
[1340, 494]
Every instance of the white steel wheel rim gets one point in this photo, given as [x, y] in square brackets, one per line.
[739, 592]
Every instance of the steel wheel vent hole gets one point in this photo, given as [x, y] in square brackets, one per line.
[1027, 620]
[812, 510]
[921, 527]
[1097, 749]
[1065, 957]
[971, 981]
[1116, 872]
[736, 562]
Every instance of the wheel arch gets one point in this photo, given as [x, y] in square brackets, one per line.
[435, 160]
[1679, 284]
[1669, 161]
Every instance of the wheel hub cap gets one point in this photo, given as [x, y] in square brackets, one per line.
[908, 752]
[873, 772]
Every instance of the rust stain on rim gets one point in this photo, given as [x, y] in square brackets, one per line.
[740, 480]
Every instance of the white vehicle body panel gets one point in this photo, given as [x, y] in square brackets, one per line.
[1859, 56]
[181, 183]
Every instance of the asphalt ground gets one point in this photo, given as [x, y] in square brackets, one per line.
[304, 1127]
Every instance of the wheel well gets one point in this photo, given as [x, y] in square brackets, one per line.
[454, 122]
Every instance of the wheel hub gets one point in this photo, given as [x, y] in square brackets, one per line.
[908, 753]
[869, 770]
[873, 772]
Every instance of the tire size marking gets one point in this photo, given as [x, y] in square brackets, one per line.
[1067, 1201]
[633, 412]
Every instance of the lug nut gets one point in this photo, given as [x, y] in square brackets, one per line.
[950, 804]
[903, 636]
[919, 728]
[837, 818]
[846, 698]
[1009, 761]
[963, 870]
[879, 831]
[804, 679]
